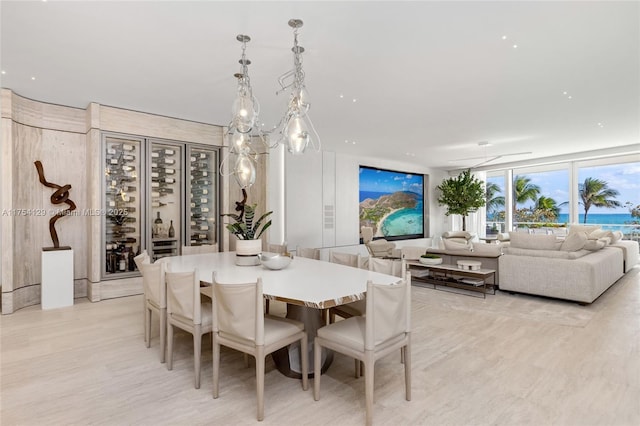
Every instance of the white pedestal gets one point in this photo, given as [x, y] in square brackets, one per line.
[57, 279]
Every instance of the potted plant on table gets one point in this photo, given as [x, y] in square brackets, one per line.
[430, 259]
[248, 230]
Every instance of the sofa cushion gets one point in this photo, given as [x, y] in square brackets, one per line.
[583, 228]
[532, 241]
[594, 245]
[553, 254]
[574, 242]
[487, 249]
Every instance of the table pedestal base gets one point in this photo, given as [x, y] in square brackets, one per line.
[287, 359]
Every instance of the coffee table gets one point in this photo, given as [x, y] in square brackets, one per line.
[443, 276]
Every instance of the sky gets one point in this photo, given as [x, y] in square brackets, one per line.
[625, 178]
[377, 180]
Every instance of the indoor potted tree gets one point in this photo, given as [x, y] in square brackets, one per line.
[462, 195]
[248, 230]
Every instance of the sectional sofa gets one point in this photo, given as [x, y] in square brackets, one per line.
[576, 268]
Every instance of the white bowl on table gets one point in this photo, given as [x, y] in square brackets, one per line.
[274, 261]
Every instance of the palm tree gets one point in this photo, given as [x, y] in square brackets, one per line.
[494, 201]
[596, 192]
[523, 191]
[548, 208]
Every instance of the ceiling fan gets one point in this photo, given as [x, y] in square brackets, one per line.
[486, 159]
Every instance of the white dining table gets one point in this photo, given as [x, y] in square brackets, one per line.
[308, 286]
[305, 282]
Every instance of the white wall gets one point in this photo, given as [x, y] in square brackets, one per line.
[321, 198]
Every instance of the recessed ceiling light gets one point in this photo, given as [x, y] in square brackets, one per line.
[33, 78]
[341, 96]
[504, 37]
[354, 99]
[600, 125]
[564, 93]
[515, 46]
[569, 97]
[3, 72]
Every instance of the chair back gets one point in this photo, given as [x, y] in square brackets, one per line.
[277, 248]
[153, 283]
[387, 266]
[347, 259]
[183, 295]
[366, 232]
[238, 310]
[388, 312]
[202, 249]
[309, 253]
[142, 258]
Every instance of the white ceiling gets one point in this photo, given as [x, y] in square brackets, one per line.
[431, 79]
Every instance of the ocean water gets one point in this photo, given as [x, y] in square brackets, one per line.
[601, 218]
[404, 222]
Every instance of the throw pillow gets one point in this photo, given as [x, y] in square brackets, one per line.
[600, 233]
[532, 241]
[503, 236]
[574, 242]
[593, 245]
[455, 245]
[617, 236]
[605, 240]
[583, 228]
[457, 234]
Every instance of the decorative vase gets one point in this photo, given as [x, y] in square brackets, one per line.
[247, 252]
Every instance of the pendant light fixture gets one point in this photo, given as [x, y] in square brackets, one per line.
[296, 129]
[244, 124]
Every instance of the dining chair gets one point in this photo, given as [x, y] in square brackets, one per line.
[155, 300]
[187, 311]
[309, 253]
[139, 261]
[347, 259]
[239, 323]
[202, 249]
[385, 328]
[277, 248]
[375, 264]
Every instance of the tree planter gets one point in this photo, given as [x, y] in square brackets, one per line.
[247, 252]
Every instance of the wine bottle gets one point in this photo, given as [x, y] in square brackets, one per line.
[172, 232]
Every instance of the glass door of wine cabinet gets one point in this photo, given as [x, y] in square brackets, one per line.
[203, 195]
[165, 190]
[122, 208]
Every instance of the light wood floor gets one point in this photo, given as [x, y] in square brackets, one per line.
[505, 360]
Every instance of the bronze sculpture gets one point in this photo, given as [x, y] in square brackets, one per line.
[61, 195]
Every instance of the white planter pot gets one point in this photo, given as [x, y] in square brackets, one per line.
[247, 252]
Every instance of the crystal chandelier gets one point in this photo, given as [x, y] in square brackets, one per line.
[244, 124]
[296, 128]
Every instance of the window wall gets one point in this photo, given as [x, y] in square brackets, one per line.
[545, 199]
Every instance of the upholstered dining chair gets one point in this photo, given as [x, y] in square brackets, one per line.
[155, 300]
[309, 253]
[205, 248]
[385, 328]
[347, 259]
[239, 323]
[187, 311]
[141, 259]
[357, 308]
[277, 248]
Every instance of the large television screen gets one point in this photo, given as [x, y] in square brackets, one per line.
[392, 203]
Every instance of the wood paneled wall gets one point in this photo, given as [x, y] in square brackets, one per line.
[67, 141]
